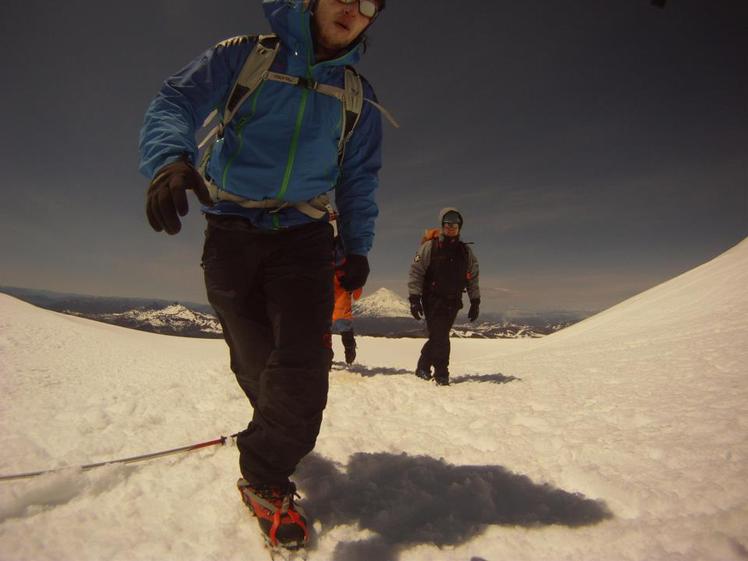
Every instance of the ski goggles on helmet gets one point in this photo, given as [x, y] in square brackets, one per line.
[367, 8]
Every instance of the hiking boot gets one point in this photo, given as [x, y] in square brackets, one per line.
[349, 344]
[350, 355]
[441, 375]
[423, 374]
[281, 521]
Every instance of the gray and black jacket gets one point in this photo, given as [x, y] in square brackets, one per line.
[444, 268]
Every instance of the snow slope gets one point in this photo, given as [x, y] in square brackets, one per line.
[623, 437]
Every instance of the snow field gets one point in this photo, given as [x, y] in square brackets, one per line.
[620, 438]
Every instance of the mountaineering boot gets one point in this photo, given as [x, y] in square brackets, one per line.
[423, 374]
[441, 376]
[350, 355]
[423, 368]
[349, 344]
[282, 523]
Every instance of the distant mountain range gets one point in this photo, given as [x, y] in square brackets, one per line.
[185, 319]
[174, 319]
[386, 314]
[381, 314]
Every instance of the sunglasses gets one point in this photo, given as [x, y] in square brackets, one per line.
[450, 224]
[367, 8]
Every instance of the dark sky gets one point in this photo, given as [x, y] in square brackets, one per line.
[595, 148]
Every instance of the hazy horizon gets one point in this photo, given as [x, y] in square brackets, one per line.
[16, 291]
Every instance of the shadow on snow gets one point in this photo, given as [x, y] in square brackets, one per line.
[492, 378]
[368, 372]
[407, 500]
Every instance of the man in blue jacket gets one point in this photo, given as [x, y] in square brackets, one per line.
[269, 269]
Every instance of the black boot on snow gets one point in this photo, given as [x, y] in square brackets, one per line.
[349, 344]
[441, 375]
[281, 521]
[423, 374]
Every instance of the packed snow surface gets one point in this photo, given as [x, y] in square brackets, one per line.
[623, 437]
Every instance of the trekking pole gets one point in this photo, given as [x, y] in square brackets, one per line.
[222, 440]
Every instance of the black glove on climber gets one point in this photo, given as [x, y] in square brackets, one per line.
[474, 309]
[416, 308]
[355, 272]
[166, 199]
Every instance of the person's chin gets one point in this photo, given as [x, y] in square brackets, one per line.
[336, 43]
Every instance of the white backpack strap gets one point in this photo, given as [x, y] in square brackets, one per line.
[213, 132]
[351, 98]
[316, 208]
[353, 103]
[326, 89]
[353, 107]
[252, 74]
[256, 69]
[384, 112]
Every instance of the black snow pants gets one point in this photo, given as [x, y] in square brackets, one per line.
[440, 313]
[273, 294]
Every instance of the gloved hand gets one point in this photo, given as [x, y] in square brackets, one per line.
[166, 199]
[474, 309]
[416, 308]
[355, 272]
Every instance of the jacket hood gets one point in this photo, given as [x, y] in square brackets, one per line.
[291, 20]
[444, 211]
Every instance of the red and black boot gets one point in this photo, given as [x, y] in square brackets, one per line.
[282, 523]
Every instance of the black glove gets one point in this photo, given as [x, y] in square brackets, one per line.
[355, 272]
[416, 308]
[166, 196]
[474, 309]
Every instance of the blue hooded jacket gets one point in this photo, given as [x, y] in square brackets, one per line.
[283, 141]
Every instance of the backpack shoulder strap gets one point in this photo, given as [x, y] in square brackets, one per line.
[256, 69]
[238, 40]
[252, 73]
[353, 103]
[351, 97]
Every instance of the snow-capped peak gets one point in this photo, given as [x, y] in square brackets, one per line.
[174, 319]
[382, 303]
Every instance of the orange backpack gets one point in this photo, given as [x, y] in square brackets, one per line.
[430, 234]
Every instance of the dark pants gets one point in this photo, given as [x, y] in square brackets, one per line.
[273, 294]
[440, 315]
